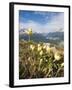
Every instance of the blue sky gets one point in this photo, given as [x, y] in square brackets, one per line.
[41, 21]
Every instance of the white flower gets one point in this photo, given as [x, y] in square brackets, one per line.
[48, 49]
[41, 61]
[62, 64]
[39, 48]
[29, 31]
[41, 52]
[39, 45]
[57, 56]
[46, 60]
[29, 58]
[44, 47]
[32, 47]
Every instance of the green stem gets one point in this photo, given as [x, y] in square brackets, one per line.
[58, 71]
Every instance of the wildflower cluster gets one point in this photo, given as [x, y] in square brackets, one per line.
[39, 60]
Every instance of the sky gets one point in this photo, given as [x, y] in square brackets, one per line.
[41, 21]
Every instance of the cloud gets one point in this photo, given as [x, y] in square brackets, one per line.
[36, 27]
[40, 13]
[55, 24]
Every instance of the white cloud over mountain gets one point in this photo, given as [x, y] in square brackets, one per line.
[55, 24]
